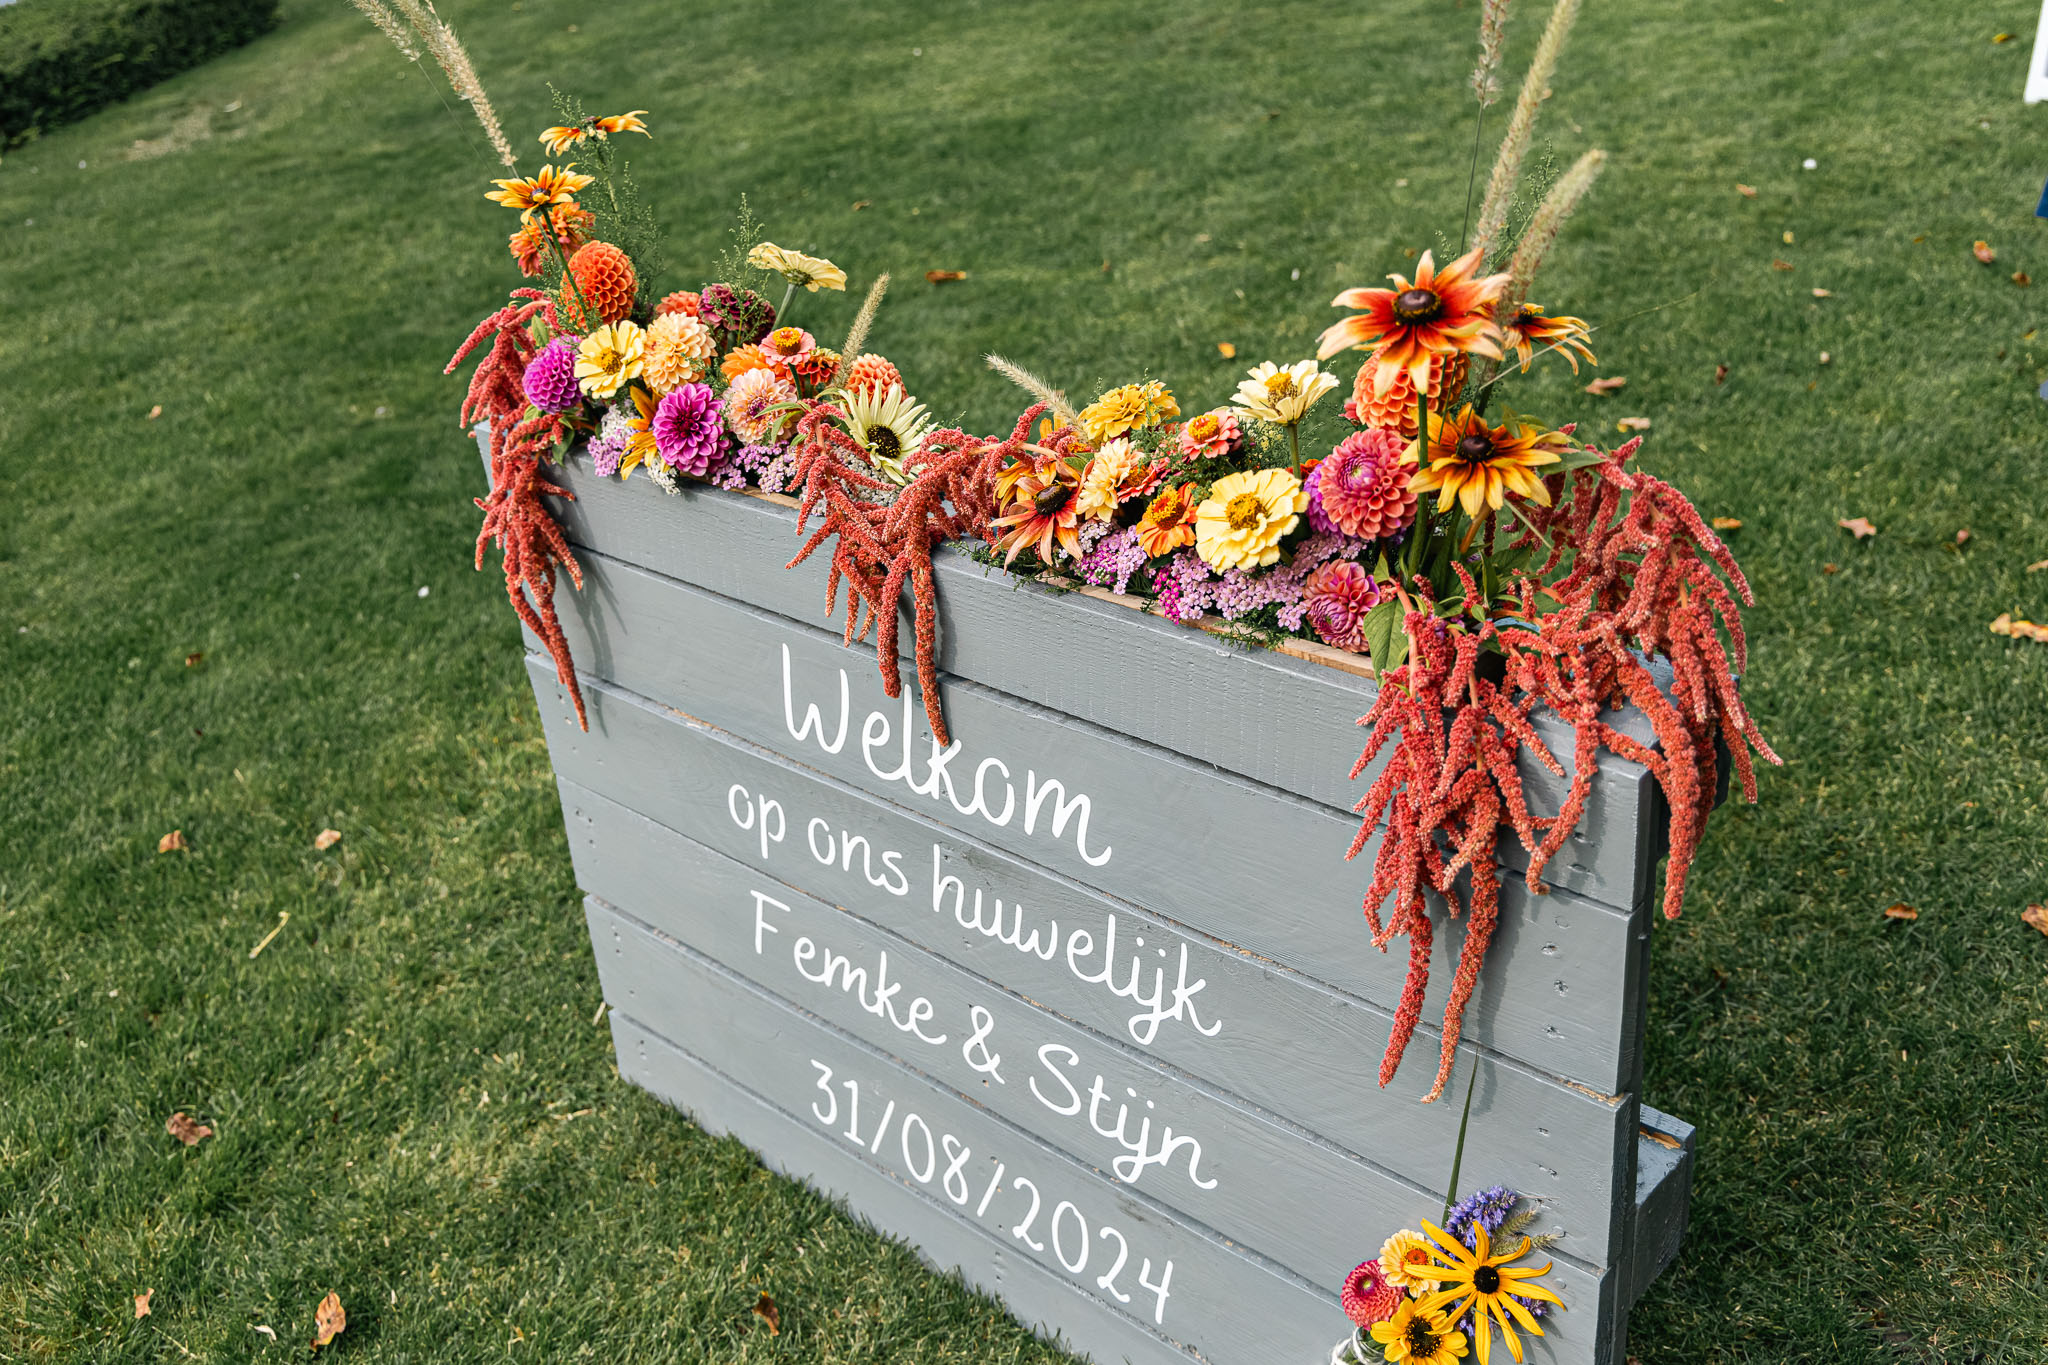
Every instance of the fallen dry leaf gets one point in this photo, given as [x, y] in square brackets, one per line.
[2020, 629]
[266, 1329]
[1788, 237]
[1858, 527]
[1727, 523]
[1633, 424]
[944, 276]
[328, 1320]
[860, 204]
[2022, 278]
[186, 1129]
[1901, 911]
[1983, 251]
[326, 839]
[1746, 191]
[1226, 350]
[156, 410]
[1777, 264]
[1820, 293]
[195, 658]
[171, 843]
[1720, 374]
[766, 1310]
[2001, 37]
[1963, 536]
[1105, 265]
[1830, 568]
[142, 1303]
[2036, 915]
[1606, 384]
[2037, 566]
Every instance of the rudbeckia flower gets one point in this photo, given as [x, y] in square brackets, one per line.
[1042, 513]
[1481, 1281]
[1413, 1337]
[1528, 329]
[545, 189]
[1442, 312]
[811, 272]
[622, 123]
[1477, 466]
[1246, 517]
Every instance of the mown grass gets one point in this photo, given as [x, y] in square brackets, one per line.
[413, 1105]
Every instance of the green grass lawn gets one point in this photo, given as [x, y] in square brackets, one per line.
[413, 1104]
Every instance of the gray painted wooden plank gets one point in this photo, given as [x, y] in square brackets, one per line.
[1277, 719]
[1182, 1139]
[1224, 1304]
[1285, 1046]
[1198, 845]
[1665, 1157]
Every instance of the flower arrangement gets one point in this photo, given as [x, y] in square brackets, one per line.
[1490, 565]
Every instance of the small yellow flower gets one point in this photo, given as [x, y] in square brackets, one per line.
[609, 358]
[1132, 407]
[640, 446]
[547, 188]
[1405, 1261]
[811, 272]
[1282, 396]
[1246, 517]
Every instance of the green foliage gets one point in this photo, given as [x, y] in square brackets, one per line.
[733, 266]
[62, 59]
[623, 217]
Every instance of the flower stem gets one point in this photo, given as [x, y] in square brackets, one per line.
[1294, 444]
[1458, 1154]
[782, 312]
[584, 316]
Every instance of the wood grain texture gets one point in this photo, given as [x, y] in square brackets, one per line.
[1223, 1303]
[1279, 720]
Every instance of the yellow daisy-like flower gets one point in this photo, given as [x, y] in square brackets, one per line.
[1484, 1283]
[609, 358]
[1477, 466]
[1529, 328]
[1246, 516]
[623, 123]
[1413, 1337]
[545, 189]
[640, 448]
[811, 272]
[679, 351]
[1101, 481]
[1132, 407]
[1405, 1261]
[1283, 396]
[561, 138]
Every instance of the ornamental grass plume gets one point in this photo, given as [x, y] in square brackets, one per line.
[1514, 144]
[404, 20]
[1038, 388]
[1543, 228]
[851, 352]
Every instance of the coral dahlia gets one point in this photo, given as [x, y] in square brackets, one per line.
[1367, 1296]
[873, 372]
[550, 378]
[679, 351]
[749, 401]
[688, 429]
[681, 301]
[1395, 409]
[1338, 595]
[741, 359]
[1362, 488]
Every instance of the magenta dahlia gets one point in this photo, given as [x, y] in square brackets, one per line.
[550, 378]
[1337, 596]
[1367, 1298]
[687, 428]
[1361, 487]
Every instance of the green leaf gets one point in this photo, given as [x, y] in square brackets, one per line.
[1384, 638]
[1574, 460]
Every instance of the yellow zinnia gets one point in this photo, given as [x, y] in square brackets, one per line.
[1405, 1261]
[811, 272]
[1246, 517]
[1132, 407]
[610, 357]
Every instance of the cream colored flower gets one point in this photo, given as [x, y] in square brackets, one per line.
[751, 403]
[679, 351]
[610, 357]
[1281, 396]
[1405, 1261]
[1246, 516]
[1101, 483]
[812, 272]
[889, 425]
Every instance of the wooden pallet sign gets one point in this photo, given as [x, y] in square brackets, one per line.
[1082, 1004]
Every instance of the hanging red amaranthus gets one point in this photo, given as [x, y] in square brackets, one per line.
[1647, 578]
[514, 515]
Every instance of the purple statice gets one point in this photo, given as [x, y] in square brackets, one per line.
[688, 425]
[1115, 557]
[608, 447]
[550, 378]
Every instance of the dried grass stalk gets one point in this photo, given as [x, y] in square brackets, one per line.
[1514, 146]
[1036, 387]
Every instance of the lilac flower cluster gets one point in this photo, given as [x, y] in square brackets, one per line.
[1116, 556]
[608, 447]
[1187, 588]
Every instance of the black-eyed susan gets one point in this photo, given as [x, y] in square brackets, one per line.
[1529, 328]
[543, 190]
[1439, 313]
[1413, 1337]
[1041, 512]
[1477, 466]
[1479, 1280]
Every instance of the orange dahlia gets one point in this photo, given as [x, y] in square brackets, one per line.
[682, 301]
[1477, 466]
[740, 359]
[873, 372]
[1528, 329]
[1169, 521]
[1442, 312]
[604, 279]
[1043, 513]
[1394, 410]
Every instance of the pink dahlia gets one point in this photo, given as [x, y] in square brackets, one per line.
[1361, 487]
[688, 428]
[1367, 1297]
[550, 378]
[748, 403]
[1338, 595]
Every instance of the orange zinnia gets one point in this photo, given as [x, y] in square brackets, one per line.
[1528, 329]
[1477, 466]
[548, 188]
[1443, 312]
[1168, 523]
[1043, 512]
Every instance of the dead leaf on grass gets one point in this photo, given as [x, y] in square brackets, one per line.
[174, 842]
[326, 839]
[283, 918]
[1777, 264]
[1226, 349]
[1830, 568]
[266, 1329]
[1606, 384]
[1901, 911]
[2019, 629]
[1820, 293]
[1858, 527]
[328, 1320]
[2022, 278]
[1633, 424]
[142, 1303]
[1720, 374]
[2037, 566]
[156, 410]
[2001, 37]
[1983, 251]
[2036, 915]
[1746, 191]
[187, 1129]
[195, 658]
[944, 276]
[860, 204]
[1727, 523]
[766, 1310]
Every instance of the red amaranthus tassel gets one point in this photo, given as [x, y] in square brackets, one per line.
[1647, 579]
[514, 515]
